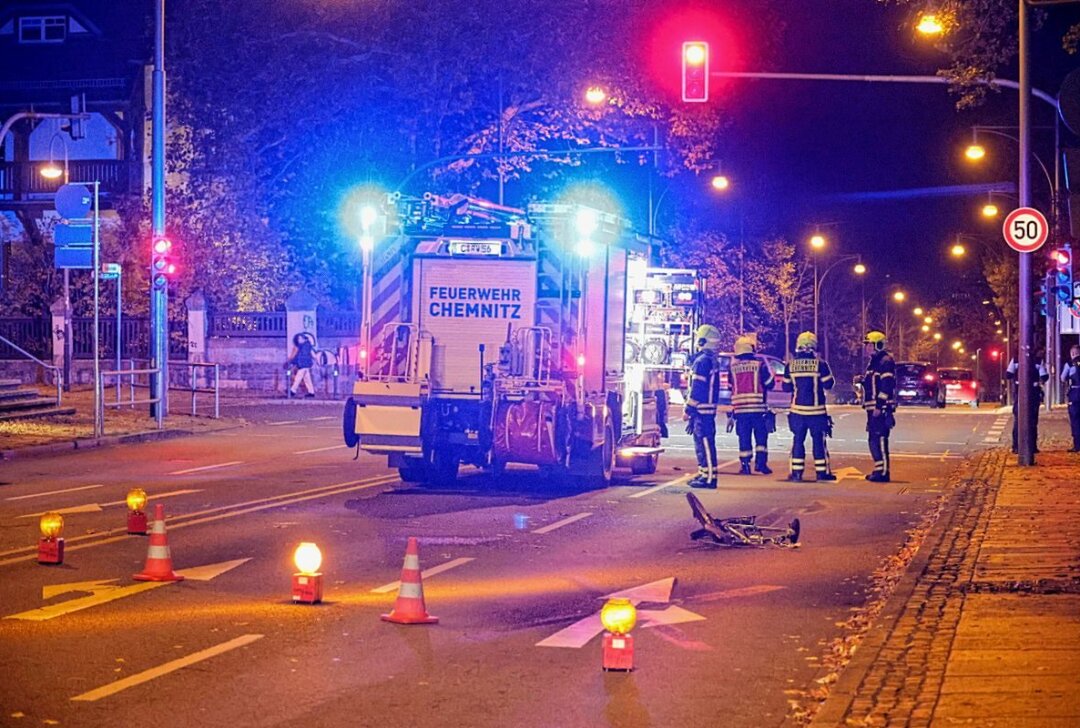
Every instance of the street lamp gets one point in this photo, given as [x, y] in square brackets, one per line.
[917, 311]
[721, 182]
[51, 170]
[858, 269]
[930, 24]
[975, 152]
[990, 210]
[595, 95]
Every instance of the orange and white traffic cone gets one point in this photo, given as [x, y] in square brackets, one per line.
[409, 607]
[158, 557]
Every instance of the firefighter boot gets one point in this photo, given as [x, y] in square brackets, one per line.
[878, 477]
[744, 467]
[761, 464]
[825, 475]
[795, 476]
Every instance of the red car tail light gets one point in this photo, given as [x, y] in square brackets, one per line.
[928, 377]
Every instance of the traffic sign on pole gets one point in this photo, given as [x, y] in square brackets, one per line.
[1025, 229]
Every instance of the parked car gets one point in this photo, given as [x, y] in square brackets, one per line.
[917, 383]
[777, 398]
[957, 386]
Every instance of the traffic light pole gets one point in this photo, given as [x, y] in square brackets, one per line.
[1025, 391]
[159, 295]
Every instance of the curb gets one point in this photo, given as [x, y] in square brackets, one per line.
[89, 443]
[842, 694]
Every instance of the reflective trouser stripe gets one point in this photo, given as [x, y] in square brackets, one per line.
[759, 448]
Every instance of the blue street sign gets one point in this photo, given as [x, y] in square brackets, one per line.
[68, 233]
[73, 257]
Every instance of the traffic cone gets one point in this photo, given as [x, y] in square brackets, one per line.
[409, 607]
[158, 557]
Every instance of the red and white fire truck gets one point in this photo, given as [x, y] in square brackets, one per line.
[499, 336]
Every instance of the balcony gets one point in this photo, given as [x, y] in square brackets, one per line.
[22, 181]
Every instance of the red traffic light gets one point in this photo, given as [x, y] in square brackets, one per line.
[1062, 257]
[695, 71]
[162, 246]
[994, 353]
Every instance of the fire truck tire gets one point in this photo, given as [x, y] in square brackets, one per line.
[414, 473]
[348, 423]
[444, 466]
[601, 461]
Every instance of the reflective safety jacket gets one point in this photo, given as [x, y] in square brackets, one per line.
[879, 382]
[808, 377]
[704, 384]
[750, 379]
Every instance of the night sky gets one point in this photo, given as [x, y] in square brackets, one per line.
[798, 146]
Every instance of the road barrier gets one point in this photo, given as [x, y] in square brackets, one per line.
[132, 375]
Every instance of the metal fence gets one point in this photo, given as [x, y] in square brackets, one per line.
[135, 339]
[343, 324]
[31, 334]
[243, 323]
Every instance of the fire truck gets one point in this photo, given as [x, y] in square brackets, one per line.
[499, 335]
[665, 311]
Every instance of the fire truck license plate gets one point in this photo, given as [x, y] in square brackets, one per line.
[474, 248]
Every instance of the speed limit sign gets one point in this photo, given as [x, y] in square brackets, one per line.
[1025, 229]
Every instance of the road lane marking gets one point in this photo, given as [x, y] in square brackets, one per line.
[317, 419]
[668, 484]
[564, 522]
[97, 507]
[171, 666]
[180, 521]
[207, 467]
[321, 449]
[55, 492]
[949, 442]
[425, 574]
[104, 591]
[283, 422]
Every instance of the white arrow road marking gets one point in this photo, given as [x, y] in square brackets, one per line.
[172, 666]
[104, 591]
[55, 492]
[564, 522]
[581, 632]
[426, 574]
[96, 507]
[207, 467]
[210, 571]
[672, 615]
[848, 473]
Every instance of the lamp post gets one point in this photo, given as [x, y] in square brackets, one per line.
[51, 171]
[898, 297]
[858, 269]
[159, 295]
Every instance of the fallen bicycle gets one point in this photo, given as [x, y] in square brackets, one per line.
[740, 530]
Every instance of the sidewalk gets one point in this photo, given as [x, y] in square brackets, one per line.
[22, 438]
[983, 627]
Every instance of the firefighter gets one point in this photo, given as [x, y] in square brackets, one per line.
[750, 379]
[808, 377]
[879, 401]
[700, 410]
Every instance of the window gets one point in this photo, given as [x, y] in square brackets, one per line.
[43, 29]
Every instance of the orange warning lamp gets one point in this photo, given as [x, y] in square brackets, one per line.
[307, 584]
[618, 616]
[51, 544]
[136, 501]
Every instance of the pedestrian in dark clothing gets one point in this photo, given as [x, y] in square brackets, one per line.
[1070, 376]
[1039, 377]
[303, 358]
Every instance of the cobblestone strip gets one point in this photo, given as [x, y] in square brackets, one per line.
[903, 662]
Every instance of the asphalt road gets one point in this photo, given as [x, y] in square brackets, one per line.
[735, 635]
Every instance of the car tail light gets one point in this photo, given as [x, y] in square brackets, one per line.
[974, 385]
[928, 377]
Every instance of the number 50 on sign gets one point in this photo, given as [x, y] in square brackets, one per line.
[1025, 229]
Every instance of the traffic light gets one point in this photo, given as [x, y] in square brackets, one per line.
[161, 265]
[695, 71]
[1063, 275]
[1041, 296]
[994, 354]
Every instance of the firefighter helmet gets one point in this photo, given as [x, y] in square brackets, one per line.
[708, 337]
[744, 345]
[807, 341]
[876, 339]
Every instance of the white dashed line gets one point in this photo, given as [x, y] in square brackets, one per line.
[207, 467]
[320, 449]
[564, 522]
